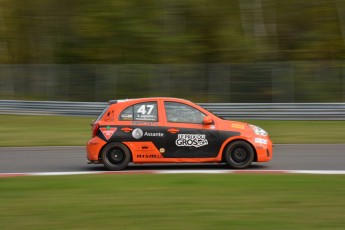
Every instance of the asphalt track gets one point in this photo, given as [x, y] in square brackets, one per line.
[73, 159]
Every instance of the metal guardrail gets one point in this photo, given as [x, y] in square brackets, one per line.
[51, 108]
[240, 111]
[278, 111]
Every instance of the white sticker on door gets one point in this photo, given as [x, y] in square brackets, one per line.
[195, 140]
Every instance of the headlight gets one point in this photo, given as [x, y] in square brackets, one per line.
[258, 131]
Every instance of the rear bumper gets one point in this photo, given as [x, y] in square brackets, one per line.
[93, 149]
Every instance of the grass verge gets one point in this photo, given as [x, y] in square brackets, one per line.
[173, 202]
[18, 130]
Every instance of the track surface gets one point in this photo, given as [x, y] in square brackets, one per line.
[73, 159]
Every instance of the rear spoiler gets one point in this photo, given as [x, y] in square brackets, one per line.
[117, 101]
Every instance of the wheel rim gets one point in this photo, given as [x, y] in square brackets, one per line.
[239, 155]
[116, 156]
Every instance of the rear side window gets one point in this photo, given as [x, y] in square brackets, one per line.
[127, 114]
[140, 112]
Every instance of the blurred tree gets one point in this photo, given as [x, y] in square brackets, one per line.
[167, 32]
[309, 30]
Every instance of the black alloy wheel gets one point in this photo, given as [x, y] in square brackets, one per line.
[239, 155]
[116, 156]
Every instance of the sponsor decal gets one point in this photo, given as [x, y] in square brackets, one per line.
[237, 126]
[126, 117]
[195, 140]
[108, 132]
[261, 141]
[110, 116]
[144, 123]
[162, 150]
[148, 156]
[137, 133]
[154, 134]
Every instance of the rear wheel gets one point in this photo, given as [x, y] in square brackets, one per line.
[239, 155]
[116, 156]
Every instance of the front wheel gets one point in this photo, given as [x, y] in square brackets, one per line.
[239, 155]
[116, 156]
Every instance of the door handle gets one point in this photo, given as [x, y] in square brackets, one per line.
[173, 130]
[127, 130]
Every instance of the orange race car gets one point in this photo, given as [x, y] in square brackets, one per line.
[171, 130]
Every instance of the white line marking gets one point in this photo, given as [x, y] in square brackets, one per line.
[193, 171]
[324, 172]
[60, 173]
[330, 172]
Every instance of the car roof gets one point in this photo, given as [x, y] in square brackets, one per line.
[148, 99]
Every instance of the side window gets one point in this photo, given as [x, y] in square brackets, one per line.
[140, 112]
[127, 114]
[178, 112]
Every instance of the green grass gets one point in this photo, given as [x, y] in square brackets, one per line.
[68, 131]
[44, 130]
[173, 202]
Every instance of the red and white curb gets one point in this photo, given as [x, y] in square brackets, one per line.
[325, 172]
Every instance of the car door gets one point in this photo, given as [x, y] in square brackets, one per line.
[140, 129]
[186, 136]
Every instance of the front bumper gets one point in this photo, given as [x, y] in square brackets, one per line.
[264, 148]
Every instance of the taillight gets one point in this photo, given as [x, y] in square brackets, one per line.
[95, 127]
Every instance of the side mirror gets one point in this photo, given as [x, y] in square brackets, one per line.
[207, 120]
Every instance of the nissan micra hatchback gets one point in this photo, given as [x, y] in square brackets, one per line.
[171, 130]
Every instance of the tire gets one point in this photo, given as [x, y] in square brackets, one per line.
[239, 155]
[116, 156]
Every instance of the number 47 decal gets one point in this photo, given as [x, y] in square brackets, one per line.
[146, 109]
